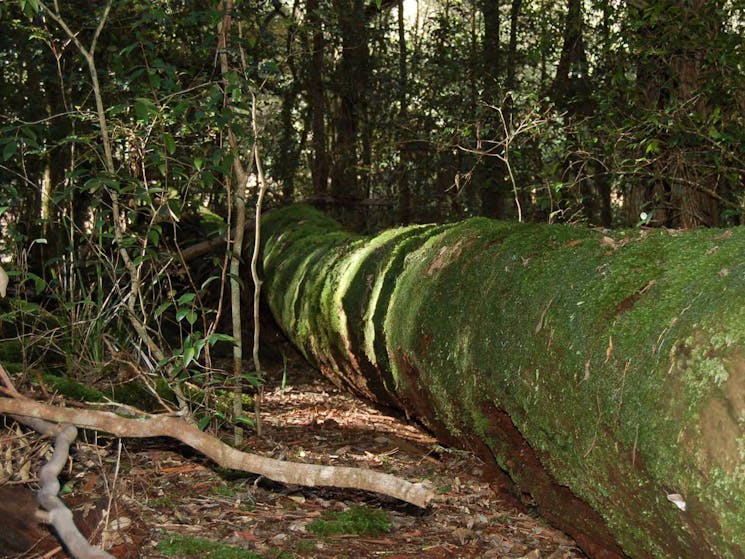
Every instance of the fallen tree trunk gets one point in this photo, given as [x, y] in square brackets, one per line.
[605, 374]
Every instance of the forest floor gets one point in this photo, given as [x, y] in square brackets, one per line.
[164, 500]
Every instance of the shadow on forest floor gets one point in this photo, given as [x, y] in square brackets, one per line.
[164, 500]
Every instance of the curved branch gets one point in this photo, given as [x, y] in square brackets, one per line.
[58, 515]
[295, 473]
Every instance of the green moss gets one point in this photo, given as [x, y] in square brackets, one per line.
[72, 389]
[11, 351]
[164, 501]
[136, 394]
[306, 546]
[361, 521]
[179, 545]
[131, 393]
[222, 490]
[620, 360]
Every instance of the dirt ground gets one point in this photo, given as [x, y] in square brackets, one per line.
[134, 495]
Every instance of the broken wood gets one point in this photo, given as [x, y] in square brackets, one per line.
[310, 475]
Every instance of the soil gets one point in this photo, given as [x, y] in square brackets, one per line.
[151, 490]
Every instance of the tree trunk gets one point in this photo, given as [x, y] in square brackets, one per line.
[604, 374]
[404, 188]
[570, 84]
[572, 94]
[681, 191]
[347, 184]
[510, 82]
[319, 162]
[290, 143]
[492, 46]
[495, 190]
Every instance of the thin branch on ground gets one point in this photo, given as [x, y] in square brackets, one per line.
[310, 475]
[57, 514]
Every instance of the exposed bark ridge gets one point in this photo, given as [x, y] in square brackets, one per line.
[604, 373]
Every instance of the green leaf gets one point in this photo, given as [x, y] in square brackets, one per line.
[29, 7]
[252, 378]
[128, 49]
[10, 150]
[653, 147]
[39, 283]
[209, 280]
[170, 143]
[203, 422]
[189, 354]
[153, 235]
[144, 108]
[245, 420]
[214, 338]
[95, 183]
[186, 298]
[162, 308]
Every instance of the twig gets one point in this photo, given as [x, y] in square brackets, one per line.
[9, 387]
[257, 281]
[110, 489]
[238, 201]
[510, 134]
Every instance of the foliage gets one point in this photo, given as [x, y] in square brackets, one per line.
[358, 520]
[75, 292]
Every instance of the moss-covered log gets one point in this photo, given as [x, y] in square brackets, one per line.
[604, 373]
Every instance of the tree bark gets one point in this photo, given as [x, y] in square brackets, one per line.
[604, 374]
[495, 190]
[404, 186]
[510, 82]
[290, 144]
[572, 94]
[347, 178]
[319, 161]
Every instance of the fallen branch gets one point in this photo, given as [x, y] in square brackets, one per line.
[205, 247]
[309, 475]
[55, 511]
[58, 515]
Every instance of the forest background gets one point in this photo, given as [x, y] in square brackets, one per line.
[131, 130]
